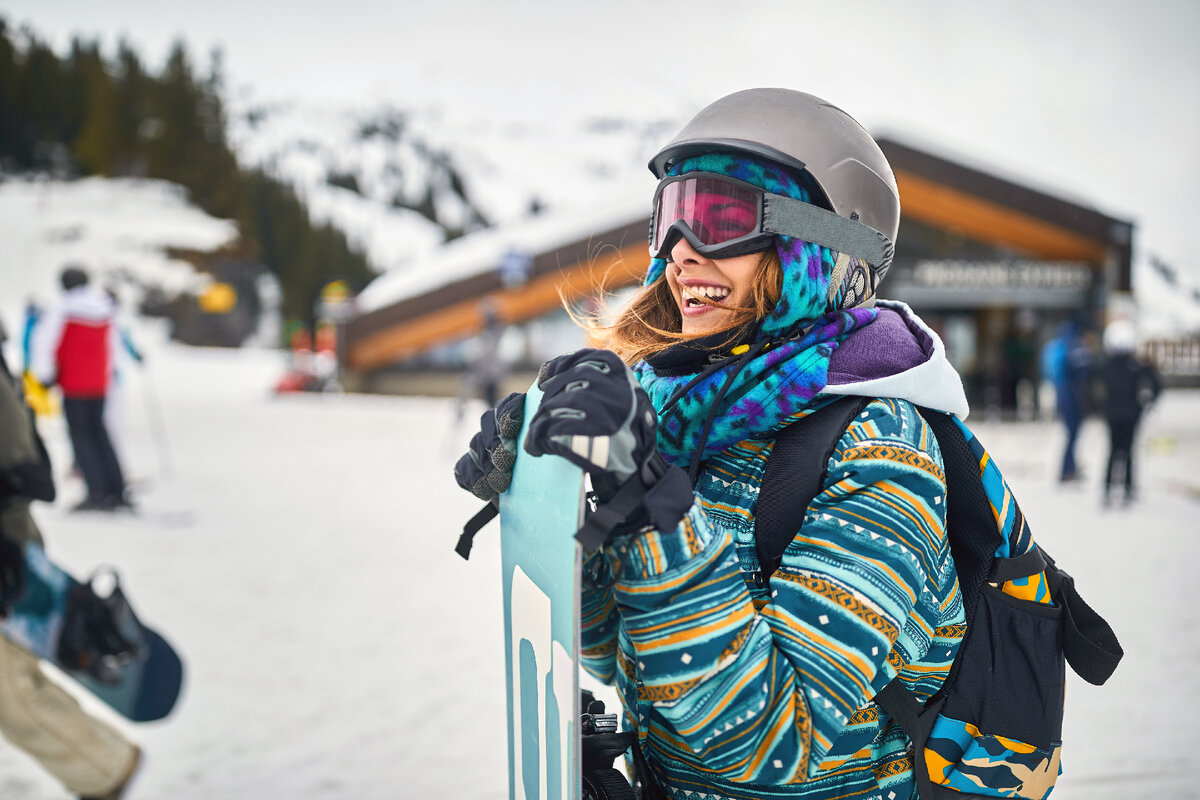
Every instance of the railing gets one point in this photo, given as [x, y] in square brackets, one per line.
[1178, 359]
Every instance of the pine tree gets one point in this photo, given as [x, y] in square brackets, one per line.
[119, 119]
[97, 145]
[130, 107]
[12, 117]
[177, 127]
[40, 94]
[83, 75]
[219, 187]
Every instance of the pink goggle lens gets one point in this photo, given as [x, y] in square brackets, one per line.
[716, 211]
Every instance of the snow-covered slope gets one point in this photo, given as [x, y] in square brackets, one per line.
[117, 229]
[1165, 307]
[338, 648]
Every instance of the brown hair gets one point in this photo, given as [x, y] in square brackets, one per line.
[650, 322]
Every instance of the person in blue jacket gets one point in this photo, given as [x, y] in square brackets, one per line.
[772, 225]
[1067, 364]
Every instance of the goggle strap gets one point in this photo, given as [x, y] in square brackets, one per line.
[788, 217]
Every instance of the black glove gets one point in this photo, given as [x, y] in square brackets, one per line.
[595, 414]
[12, 573]
[486, 469]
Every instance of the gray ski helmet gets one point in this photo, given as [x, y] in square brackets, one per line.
[805, 134]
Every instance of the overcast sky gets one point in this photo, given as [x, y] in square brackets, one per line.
[1096, 101]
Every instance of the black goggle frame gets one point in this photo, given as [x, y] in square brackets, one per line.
[776, 216]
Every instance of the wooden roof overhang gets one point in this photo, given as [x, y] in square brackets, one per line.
[604, 262]
[990, 209]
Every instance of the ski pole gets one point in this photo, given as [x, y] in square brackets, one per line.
[158, 430]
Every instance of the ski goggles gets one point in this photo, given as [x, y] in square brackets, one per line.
[722, 217]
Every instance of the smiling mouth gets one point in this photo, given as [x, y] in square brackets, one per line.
[695, 296]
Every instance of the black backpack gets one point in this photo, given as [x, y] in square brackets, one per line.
[996, 722]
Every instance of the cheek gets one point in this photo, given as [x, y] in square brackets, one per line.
[673, 285]
[742, 277]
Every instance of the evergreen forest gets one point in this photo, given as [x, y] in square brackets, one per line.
[81, 113]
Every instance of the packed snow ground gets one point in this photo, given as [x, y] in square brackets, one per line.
[299, 552]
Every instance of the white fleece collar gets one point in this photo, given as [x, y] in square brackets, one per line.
[933, 383]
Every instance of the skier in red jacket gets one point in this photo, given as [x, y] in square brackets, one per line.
[74, 346]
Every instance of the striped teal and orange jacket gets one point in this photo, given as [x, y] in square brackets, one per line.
[746, 691]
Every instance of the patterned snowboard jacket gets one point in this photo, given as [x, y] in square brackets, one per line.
[741, 688]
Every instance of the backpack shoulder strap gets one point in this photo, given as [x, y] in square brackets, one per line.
[1089, 644]
[795, 474]
[970, 522]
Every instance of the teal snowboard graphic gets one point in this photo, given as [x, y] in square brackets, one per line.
[141, 685]
[540, 559]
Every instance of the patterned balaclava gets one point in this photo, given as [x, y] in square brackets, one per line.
[815, 278]
[755, 391]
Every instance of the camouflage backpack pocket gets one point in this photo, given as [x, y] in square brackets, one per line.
[999, 732]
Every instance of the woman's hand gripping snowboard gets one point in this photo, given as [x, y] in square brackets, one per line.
[595, 414]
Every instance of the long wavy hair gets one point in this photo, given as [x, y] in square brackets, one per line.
[650, 322]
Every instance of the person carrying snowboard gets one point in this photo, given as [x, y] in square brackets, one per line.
[772, 225]
[89, 757]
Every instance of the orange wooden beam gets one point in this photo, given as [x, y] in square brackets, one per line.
[950, 209]
[611, 269]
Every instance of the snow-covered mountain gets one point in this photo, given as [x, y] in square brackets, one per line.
[401, 182]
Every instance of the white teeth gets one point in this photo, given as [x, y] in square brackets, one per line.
[715, 293]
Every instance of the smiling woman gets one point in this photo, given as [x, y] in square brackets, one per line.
[772, 226]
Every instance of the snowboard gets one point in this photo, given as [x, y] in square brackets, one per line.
[141, 688]
[540, 562]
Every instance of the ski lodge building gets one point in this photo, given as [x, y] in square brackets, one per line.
[992, 265]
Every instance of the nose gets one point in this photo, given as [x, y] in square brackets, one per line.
[684, 254]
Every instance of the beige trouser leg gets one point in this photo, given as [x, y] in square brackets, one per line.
[38, 716]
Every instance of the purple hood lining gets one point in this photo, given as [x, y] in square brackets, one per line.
[888, 346]
[898, 356]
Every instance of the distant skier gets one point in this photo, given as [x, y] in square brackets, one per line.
[1066, 362]
[74, 345]
[90, 758]
[33, 313]
[1130, 386]
[489, 368]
